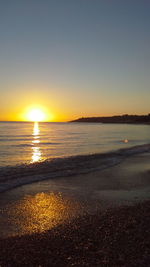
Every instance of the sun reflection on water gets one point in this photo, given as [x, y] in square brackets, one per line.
[36, 153]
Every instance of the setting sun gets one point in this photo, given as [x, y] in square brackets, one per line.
[36, 115]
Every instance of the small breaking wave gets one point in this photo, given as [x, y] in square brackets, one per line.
[14, 176]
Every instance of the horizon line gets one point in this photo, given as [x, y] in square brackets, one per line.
[125, 114]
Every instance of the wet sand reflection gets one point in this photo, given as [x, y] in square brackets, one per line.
[41, 212]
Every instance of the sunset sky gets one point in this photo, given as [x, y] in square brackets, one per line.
[73, 58]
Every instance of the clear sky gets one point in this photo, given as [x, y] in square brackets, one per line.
[74, 58]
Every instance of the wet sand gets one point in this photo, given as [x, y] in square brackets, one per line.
[119, 237]
[80, 220]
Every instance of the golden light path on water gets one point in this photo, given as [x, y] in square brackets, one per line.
[41, 212]
[36, 153]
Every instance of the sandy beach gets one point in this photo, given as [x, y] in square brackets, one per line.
[91, 219]
[119, 237]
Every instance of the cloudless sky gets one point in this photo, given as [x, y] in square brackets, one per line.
[74, 57]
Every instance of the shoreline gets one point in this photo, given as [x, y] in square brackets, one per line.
[45, 204]
[15, 176]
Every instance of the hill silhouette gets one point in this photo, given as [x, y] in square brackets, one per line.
[139, 119]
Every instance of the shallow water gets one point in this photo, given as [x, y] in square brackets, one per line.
[22, 142]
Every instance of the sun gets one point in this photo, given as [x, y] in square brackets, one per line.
[36, 115]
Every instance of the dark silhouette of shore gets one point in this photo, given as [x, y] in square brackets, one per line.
[139, 119]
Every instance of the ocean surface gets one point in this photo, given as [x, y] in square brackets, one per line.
[22, 142]
[31, 152]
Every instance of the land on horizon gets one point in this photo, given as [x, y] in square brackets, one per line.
[142, 119]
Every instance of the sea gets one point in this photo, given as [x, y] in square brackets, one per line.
[27, 142]
[57, 149]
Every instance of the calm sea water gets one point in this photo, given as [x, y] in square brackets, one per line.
[33, 142]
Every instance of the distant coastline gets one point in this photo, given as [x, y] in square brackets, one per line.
[136, 119]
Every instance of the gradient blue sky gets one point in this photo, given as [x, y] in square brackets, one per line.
[74, 57]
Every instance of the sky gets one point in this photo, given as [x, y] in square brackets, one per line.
[74, 58]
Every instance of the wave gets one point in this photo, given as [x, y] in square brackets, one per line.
[12, 139]
[39, 144]
[14, 176]
[15, 136]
